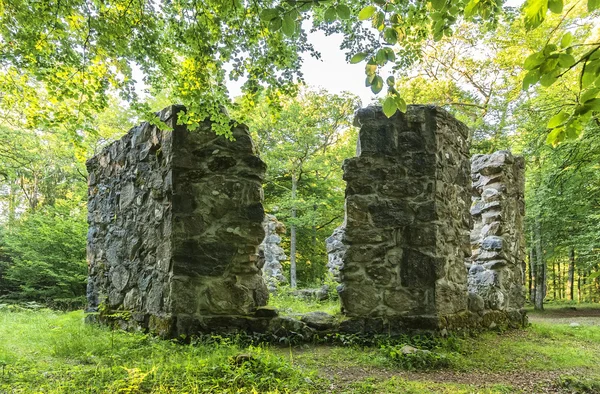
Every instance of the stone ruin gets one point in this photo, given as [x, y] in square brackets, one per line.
[176, 221]
[335, 252]
[271, 254]
[497, 238]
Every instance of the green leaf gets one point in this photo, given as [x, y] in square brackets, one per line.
[593, 5]
[366, 12]
[535, 13]
[377, 84]
[470, 8]
[390, 35]
[289, 25]
[269, 14]
[533, 61]
[438, 4]
[389, 106]
[566, 40]
[389, 53]
[304, 7]
[370, 69]
[400, 103]
[556, 6]
[557, 120]
[589, 94]
[381, 57]
[359, 57]
[565, 60]
[391, 81]
[275, 24]
[556, 136]
[330, 15]
[589, 73]
[379, 20]
[343, 11]
[531, 78]
[593, 104]
[548, 79]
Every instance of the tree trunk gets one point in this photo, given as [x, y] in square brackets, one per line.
[554, 274]
[540, 282]
[293, 282]
[579, 287]
[532, 274]
[571, 272]
[559, 280]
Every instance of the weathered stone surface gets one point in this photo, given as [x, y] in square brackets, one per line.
[319, 320]
[335, 252]
[497, 238]
[407, 217]
[318, 294]
[175, 220]
[271, 254]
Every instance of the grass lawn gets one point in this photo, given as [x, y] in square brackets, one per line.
[52, 352]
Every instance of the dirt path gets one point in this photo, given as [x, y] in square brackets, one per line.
[567, 315]
[524, 381]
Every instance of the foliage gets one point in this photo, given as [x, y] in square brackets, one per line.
[304, 144]
[288, 304]
[577, 384]
[47, 254]
[56, 353]
[415, 360]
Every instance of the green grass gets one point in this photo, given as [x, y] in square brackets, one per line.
[288, 304]
[53, 352]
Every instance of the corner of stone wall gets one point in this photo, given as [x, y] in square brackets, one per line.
[407, 222]
[496, 277]
[175, 220]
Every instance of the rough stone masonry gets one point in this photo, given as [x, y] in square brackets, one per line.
[175, 220]
[271, 254]
[407, 228]
[407, 223]
[496, 274]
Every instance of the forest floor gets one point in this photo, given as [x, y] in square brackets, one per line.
[54, 352]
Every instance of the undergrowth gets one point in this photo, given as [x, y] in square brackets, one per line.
[42, 351]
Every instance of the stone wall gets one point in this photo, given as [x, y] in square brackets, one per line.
[175, 220]
[496, 277]
[407, 215]
[271, 254]
[335, 252]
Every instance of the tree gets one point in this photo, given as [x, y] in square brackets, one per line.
[303, 146]
[47, 255]
[62, 59]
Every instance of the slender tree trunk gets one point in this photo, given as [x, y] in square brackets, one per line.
[559, 280]
[583, 283]
[540, 287]
[532, 274]
[554, 274]
[571, 272]
[293, 282]
[579, 287]
[314, 226]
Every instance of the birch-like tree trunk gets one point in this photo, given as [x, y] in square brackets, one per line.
[293, 281]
